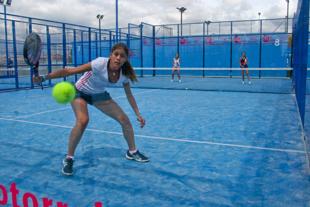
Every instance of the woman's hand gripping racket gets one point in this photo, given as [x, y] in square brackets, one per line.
[32, 53]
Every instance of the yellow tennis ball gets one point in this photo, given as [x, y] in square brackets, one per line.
[63, 92]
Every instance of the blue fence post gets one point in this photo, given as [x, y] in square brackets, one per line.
[128, 40]
[119, 35]
[231, 49]
[141, 48]
[260, 47]
[203, 49]
[89, 44]
[49, 59]
[64, 48]
[15, 55]
[100, 42]
[6, 37]
[301, 32]
[110, 42]
[30, 31]
[96, 40]
[75, 52]
[116, 19]
[154, 49]
[82, 46]
[178, 40]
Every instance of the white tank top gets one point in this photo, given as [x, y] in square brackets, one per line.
[176, 62]
[96, 80]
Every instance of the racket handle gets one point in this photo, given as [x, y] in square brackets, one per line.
[35, 71]
[36, 74]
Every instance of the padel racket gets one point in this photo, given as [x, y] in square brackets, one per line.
[32, 52]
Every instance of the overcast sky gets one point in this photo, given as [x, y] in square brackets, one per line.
[84, 12]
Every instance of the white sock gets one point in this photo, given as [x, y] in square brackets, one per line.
[70, 157]
[133, 151]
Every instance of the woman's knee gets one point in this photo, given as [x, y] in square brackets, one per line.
[82, 122]
[123, 120]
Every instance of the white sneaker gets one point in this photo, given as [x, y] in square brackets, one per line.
[242, 82]
[180, 81]
[171, 80]
[249, 82]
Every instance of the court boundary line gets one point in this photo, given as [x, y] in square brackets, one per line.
[184, 140]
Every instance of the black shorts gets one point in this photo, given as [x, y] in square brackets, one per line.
[91, 99]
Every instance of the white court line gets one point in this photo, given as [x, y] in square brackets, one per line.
[186, 140]
[42, 112]
[64, 108]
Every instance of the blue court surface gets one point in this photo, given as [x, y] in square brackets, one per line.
[207, 148]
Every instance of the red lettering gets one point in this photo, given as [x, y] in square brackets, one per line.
[98, 204]
[158, 42]
[47, 202]
[28, 196]
[4, 200]
[60, 204]
[14, 192]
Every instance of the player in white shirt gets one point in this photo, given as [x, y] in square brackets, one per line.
[176, 67]
[91, 89]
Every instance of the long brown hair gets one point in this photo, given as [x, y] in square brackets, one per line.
[127, 69]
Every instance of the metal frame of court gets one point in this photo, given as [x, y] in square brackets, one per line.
[64, 39]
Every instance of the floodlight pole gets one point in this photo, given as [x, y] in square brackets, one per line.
[100, 17]
[208, 22]
[181, 10]
[287, 13]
